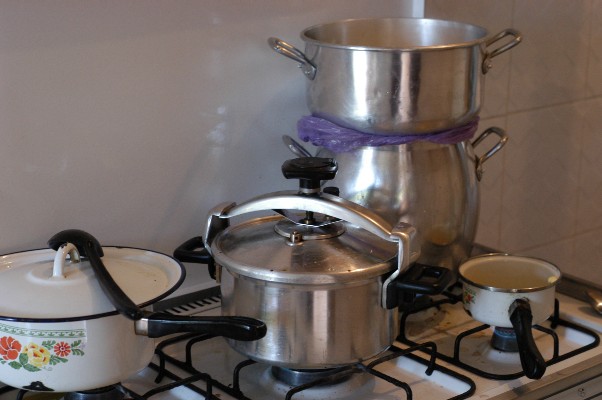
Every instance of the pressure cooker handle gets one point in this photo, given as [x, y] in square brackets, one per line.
[326, 204]
[193, 251]
[531, 359]
[418, 279]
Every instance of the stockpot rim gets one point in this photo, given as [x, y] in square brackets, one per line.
[309, 34]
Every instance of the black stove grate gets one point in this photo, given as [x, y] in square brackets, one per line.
[343, 372]
[236, 392]
[454, 359]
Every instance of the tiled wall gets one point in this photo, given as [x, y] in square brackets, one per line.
[542, 195]
[132, 119]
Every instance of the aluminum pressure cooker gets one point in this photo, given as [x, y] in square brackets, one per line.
[325, 274]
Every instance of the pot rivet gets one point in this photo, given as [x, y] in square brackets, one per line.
[295, 237]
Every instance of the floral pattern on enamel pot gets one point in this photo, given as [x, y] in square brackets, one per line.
[35, 350]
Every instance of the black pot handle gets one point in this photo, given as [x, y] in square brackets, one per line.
[193, 251]
[156, 325]
[89, 247]
[531, 359]
[418, 279]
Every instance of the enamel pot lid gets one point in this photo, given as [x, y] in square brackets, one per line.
[48, 285]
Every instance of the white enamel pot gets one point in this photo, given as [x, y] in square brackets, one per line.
[59, 331]
[516, 292]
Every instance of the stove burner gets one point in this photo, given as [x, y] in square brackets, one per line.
[297, 377]
[455, 355]
[504, 339]
[106, 393]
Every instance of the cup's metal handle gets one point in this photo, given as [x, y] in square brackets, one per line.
[290, 51]
[517, 38]
[479, 161]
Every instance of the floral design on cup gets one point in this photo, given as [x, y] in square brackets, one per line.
[35, 357]
[468, 296]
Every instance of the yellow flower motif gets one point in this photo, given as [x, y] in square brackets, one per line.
[38, 356]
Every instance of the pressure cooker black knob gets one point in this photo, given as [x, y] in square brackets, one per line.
[310, 171]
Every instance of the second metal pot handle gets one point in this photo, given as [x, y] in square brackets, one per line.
[479, 161]
[290, 51]
[487, 65]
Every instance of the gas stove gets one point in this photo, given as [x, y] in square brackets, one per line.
[440, 354]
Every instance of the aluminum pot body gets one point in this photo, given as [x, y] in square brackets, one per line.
[430, 186]
[492, 283]
[71, 355]
[396, 75]
[311, 326]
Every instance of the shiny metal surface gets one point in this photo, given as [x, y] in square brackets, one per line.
[253, 249]
[324, 300]
[395, 75]
[595, 299]
[389, 180]
[311, 326]
[430, 186]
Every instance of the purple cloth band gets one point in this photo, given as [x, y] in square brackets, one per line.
[323, 133]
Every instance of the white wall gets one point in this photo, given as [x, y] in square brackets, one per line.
[543, 196]
[131, 119]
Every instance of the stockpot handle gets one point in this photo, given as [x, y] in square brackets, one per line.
[290, 51]
[480, 160]
[193, 251]
[517, 38]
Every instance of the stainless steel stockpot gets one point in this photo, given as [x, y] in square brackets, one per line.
[396, 75]
[326, 282]
[434, 187]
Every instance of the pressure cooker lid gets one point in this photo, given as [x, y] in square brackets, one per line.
[29, 291]
[257, 249]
